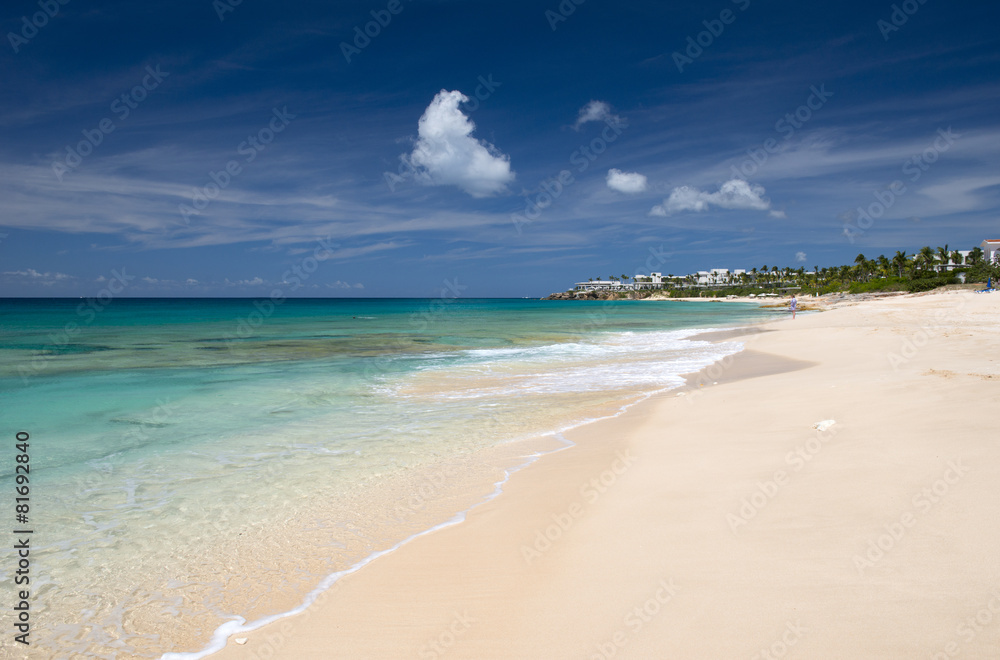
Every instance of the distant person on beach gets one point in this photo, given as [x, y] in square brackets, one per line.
[792, 304]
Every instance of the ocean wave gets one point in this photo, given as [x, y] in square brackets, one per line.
[633, 361]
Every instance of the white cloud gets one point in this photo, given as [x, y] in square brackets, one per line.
[446, 153]
[344, 285]
[257, 281]
[42, 278]
[190, 280]
[800, 256]
[777, 214]
[596, 111]
[626, 182]
[733, 194]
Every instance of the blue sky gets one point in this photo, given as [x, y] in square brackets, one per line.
[594, 139]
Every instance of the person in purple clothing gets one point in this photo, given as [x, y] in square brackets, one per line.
[792, 304]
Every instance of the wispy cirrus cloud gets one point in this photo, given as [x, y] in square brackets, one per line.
[30, 274]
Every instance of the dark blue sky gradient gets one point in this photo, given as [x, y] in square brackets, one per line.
[324, 174]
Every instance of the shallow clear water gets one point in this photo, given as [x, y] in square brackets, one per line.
[196, 460]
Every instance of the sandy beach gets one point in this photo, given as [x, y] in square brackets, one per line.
[718, 521]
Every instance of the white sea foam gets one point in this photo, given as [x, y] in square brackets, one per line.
[650, 362]
[612, 362]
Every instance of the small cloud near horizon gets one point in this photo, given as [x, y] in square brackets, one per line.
[33, 275]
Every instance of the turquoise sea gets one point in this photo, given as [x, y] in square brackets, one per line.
[200, 465]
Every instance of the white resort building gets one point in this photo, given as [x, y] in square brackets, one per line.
[651, 281]
[714, 276]
[991, 250]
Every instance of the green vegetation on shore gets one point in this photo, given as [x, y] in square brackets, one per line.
[926, 270]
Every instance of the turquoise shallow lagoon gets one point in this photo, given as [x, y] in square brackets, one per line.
[194, 461]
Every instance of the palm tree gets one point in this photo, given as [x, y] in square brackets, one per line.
[926, 257]
[871, 267]
[956, 258]
[860, 262]
[899, 261]
[883, 265]
[976, 255]
[942, 253]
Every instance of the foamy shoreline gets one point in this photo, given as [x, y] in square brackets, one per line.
[454, 492]
[720, 523]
